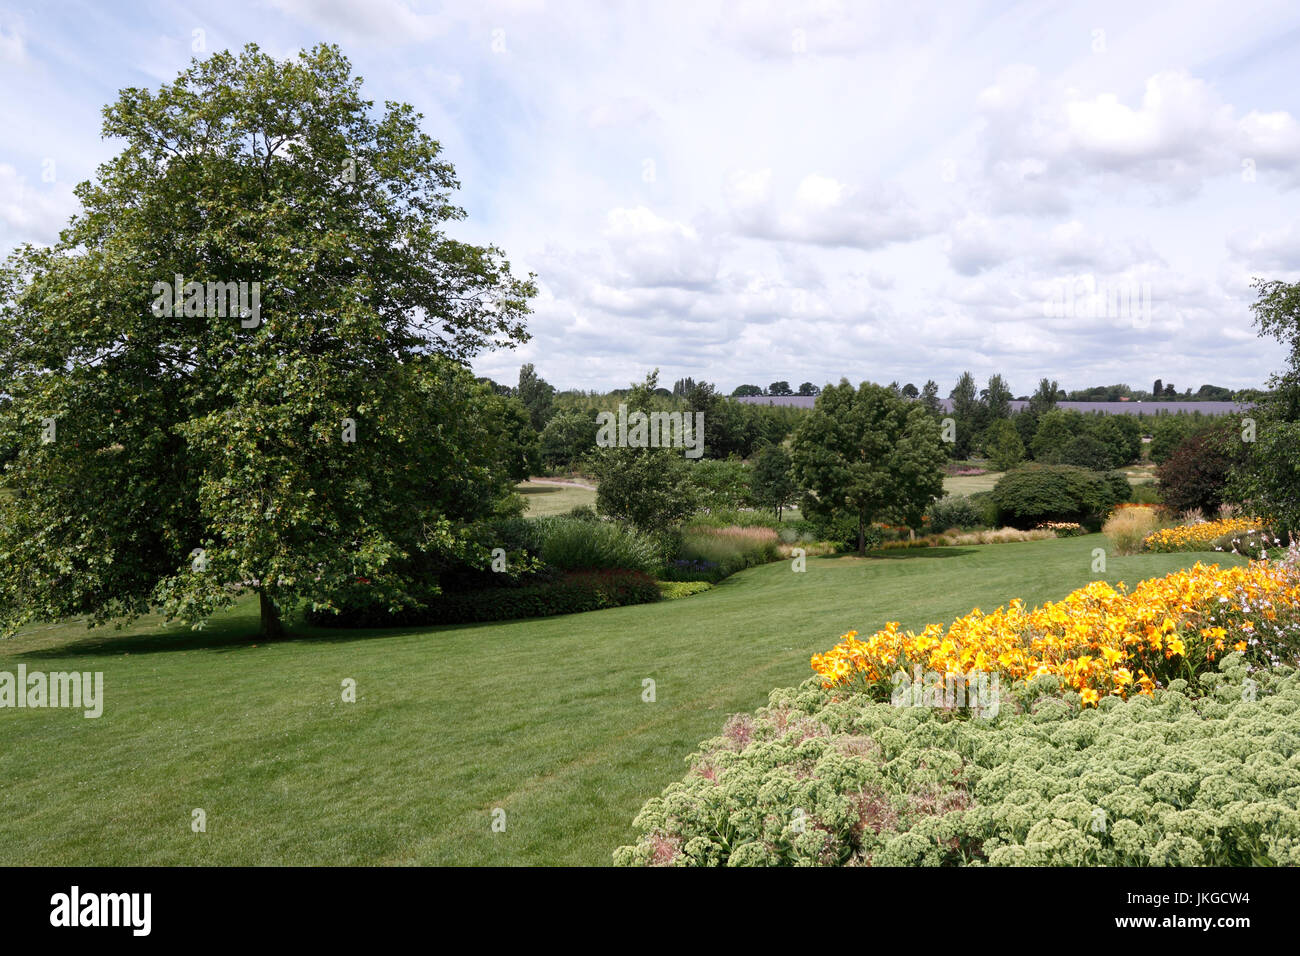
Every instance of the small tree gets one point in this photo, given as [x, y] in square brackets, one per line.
[649, 488]
[537, 396]
[568, 437]
[866, 452]
[771, 481]
[1196, 474]
[1003, 445]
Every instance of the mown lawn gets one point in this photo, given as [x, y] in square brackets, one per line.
[543, 499]
[969, 484]
[541, 718]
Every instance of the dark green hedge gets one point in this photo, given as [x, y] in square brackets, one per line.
[566, 594]
[1036, 493]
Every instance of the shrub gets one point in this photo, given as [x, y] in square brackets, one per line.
[1062, 529]
[566, 594]
[1003, 445]
[1086, 451]
[576, 544]
[954, 511]
[646, 487]
[1146, 493]
[842, 530]
[711, 554]
[720, 484]
[1127, 528]
[1119, 488]
[568, 438]
[672, 590]
[986, 507]
[1037, 493]
[1195, 474]
[814, 778]
[955, 539]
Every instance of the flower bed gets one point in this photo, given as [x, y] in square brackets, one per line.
[1199, 536]
[1063, 529]
[1180, 778]
[1100, 640]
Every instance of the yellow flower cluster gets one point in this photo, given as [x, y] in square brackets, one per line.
[1099, 639]
[1194, 537]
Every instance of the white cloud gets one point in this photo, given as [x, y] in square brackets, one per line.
[32, 213]
[824, 211]
[381, 21]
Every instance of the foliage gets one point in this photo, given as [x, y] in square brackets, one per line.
[711, 554]
[719, 484]
[1179, 778]
[1037, 493]
[1198, 536]
[673, 590]
[868, 453]
[1099, 639]
[1270, 477]
[647, 487]
[1003, 446]
[771, 480]
[567, 439]
[576, 544]
[536, 395]
[1170, 431]
[1062, 529]
[1196, 473]
[955, 511]
[571, 593]
[1128, 527]
[225, 432]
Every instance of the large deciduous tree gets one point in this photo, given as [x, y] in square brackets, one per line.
[1269, 478]
[868, 453]
[168, 457]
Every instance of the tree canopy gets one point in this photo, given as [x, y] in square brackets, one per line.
[169, 457]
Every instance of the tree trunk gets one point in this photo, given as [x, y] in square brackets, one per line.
[862, 538]
[272, 625]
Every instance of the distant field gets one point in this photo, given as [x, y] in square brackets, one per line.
[969, 484]
[1140, 474]
[543, 499]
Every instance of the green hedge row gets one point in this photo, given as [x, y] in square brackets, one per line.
[567, 594]
[1184, 778]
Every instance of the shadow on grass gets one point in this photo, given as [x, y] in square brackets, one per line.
[238, 632]
[538, 490]
[904, 554]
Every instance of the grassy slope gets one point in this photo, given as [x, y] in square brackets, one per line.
[543, 718]
[969, 484]
[542, 500]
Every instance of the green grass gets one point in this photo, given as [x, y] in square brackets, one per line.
[545, 500]
[969, 484]
[542, 718]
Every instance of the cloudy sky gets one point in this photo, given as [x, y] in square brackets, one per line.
[754, 191]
